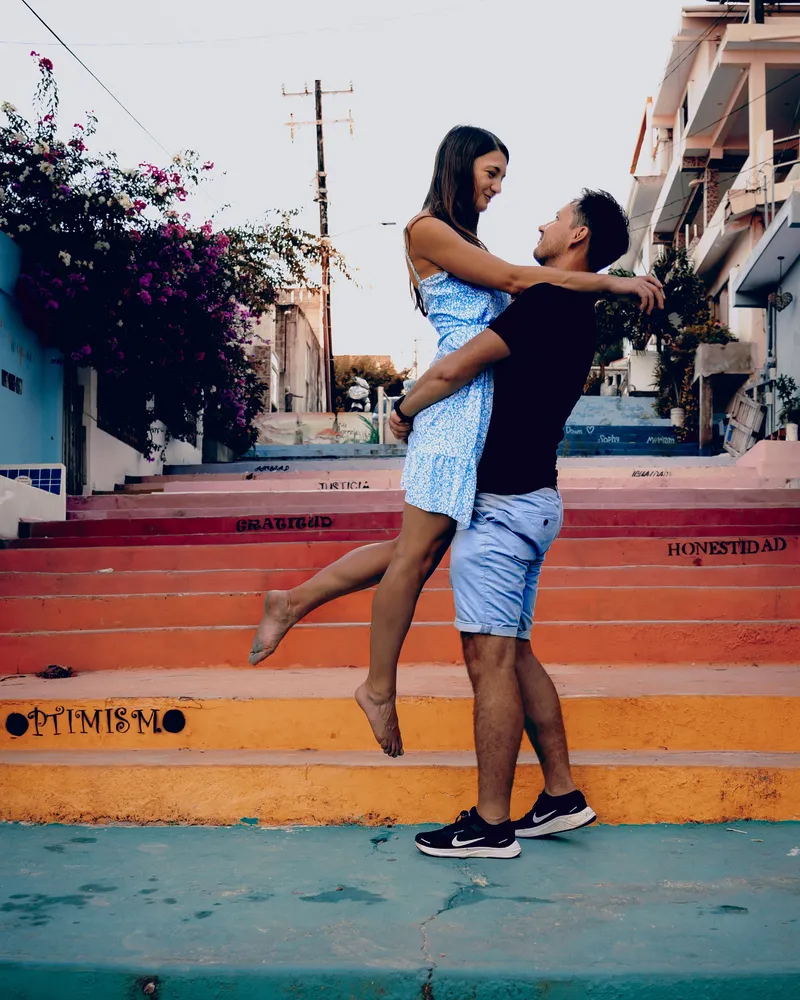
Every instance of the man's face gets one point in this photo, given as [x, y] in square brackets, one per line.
[556, 236]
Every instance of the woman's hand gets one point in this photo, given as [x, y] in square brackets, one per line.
[400, 428]
[648, 289]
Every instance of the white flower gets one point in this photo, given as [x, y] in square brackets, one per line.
[3, 222]
[65, 257]
[177, 158]
[46, 168]
[25, 174]
[119, 322]
[19, 136]
[161, 189]
[54, 227]
[2, 194]
[102, 245]
[41, 147]
[102, 200]
[8, 107]
[24, 228]
[90, 265]
[124, 201]
[86, 206]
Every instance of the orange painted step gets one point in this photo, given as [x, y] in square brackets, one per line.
[622, 643]
[593, 604]
[218, 581]
[729, 550]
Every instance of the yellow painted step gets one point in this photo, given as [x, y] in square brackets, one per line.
[278, 788]
[611, 708]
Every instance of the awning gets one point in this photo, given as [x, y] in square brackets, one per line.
[761, 271]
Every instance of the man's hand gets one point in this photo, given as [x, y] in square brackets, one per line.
[400, 428]
[648, 289]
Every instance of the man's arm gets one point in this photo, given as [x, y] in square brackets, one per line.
[449, 375]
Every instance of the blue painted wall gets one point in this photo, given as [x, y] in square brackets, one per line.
[30, 423]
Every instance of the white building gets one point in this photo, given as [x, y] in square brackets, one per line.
[717, 157]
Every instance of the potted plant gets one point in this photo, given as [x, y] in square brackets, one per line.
[790, 405]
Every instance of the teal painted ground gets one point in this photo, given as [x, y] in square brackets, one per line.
[327, 914]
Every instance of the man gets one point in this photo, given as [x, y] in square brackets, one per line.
[542, 348]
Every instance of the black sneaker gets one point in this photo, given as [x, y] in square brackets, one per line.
[555, 814]
[470, 837]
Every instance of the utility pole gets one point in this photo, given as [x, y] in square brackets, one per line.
[322, 199]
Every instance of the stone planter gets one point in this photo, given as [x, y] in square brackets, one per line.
[791, 432]
[676, 416]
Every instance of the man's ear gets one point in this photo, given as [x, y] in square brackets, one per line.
[580, 238]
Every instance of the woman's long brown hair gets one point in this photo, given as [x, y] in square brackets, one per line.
[451, 196]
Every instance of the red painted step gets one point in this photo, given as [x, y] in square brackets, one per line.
[282, 553]
[631, 520]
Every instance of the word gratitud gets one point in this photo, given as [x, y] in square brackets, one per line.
[727, 547]
[283, 523]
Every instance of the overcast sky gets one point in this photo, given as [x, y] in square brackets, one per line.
[563, 83]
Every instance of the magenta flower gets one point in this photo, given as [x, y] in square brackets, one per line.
[145, 297]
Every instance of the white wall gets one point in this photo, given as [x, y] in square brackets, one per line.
[109, 460]
[17, 500]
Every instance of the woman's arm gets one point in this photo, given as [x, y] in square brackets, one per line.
[440, 244]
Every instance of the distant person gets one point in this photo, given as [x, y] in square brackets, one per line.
[462, 288]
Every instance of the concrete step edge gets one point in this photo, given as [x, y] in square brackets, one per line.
[374, 759]
[419, 681]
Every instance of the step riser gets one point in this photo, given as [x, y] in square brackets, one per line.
[651, 604]
[313, 520]
[278, 498]
[675, 722]
[348, 645]
[21, 584]
[732, 550]
[322, 794]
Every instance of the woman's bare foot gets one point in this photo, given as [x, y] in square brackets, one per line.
[279, 616]
[382, 716]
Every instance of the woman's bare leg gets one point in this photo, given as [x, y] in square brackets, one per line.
[356, 570]
[423, 541]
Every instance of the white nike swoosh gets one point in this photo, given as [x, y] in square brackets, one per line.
[540, 819]
[463, 843]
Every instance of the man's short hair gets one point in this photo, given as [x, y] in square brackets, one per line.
[607, 223]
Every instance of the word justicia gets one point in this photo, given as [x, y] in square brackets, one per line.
[61, 721]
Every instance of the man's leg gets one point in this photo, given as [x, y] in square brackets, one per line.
[544, 722]
[498, 718]
[356, 570]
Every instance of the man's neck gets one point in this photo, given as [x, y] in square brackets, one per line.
[569, 261]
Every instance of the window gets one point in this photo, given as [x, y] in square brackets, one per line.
[12, 382]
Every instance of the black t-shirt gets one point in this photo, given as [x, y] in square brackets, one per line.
[551, 334]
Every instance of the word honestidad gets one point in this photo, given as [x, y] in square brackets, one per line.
[727, 547]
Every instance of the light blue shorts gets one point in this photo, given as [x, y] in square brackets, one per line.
[495, 563]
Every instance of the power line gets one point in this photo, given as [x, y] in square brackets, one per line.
[680, 60]
[265, 37]
[110, 93]
[95, 77]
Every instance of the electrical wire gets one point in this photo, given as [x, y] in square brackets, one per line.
[111, 94]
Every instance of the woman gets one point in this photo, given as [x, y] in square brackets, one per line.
[461, 287]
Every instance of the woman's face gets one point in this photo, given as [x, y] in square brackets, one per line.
[489, 171]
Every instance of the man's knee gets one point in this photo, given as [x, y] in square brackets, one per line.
[485, 655]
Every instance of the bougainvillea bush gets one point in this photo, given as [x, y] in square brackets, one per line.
[117, 276]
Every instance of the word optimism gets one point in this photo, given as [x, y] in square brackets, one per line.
[283, 523]
[103, 721]
[727, 547]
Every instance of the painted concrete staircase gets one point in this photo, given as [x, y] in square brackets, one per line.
[669, 615]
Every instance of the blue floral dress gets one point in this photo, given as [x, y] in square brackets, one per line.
[448, 438]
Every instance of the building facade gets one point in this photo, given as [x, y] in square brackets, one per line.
[287, 350]
[718, 155]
